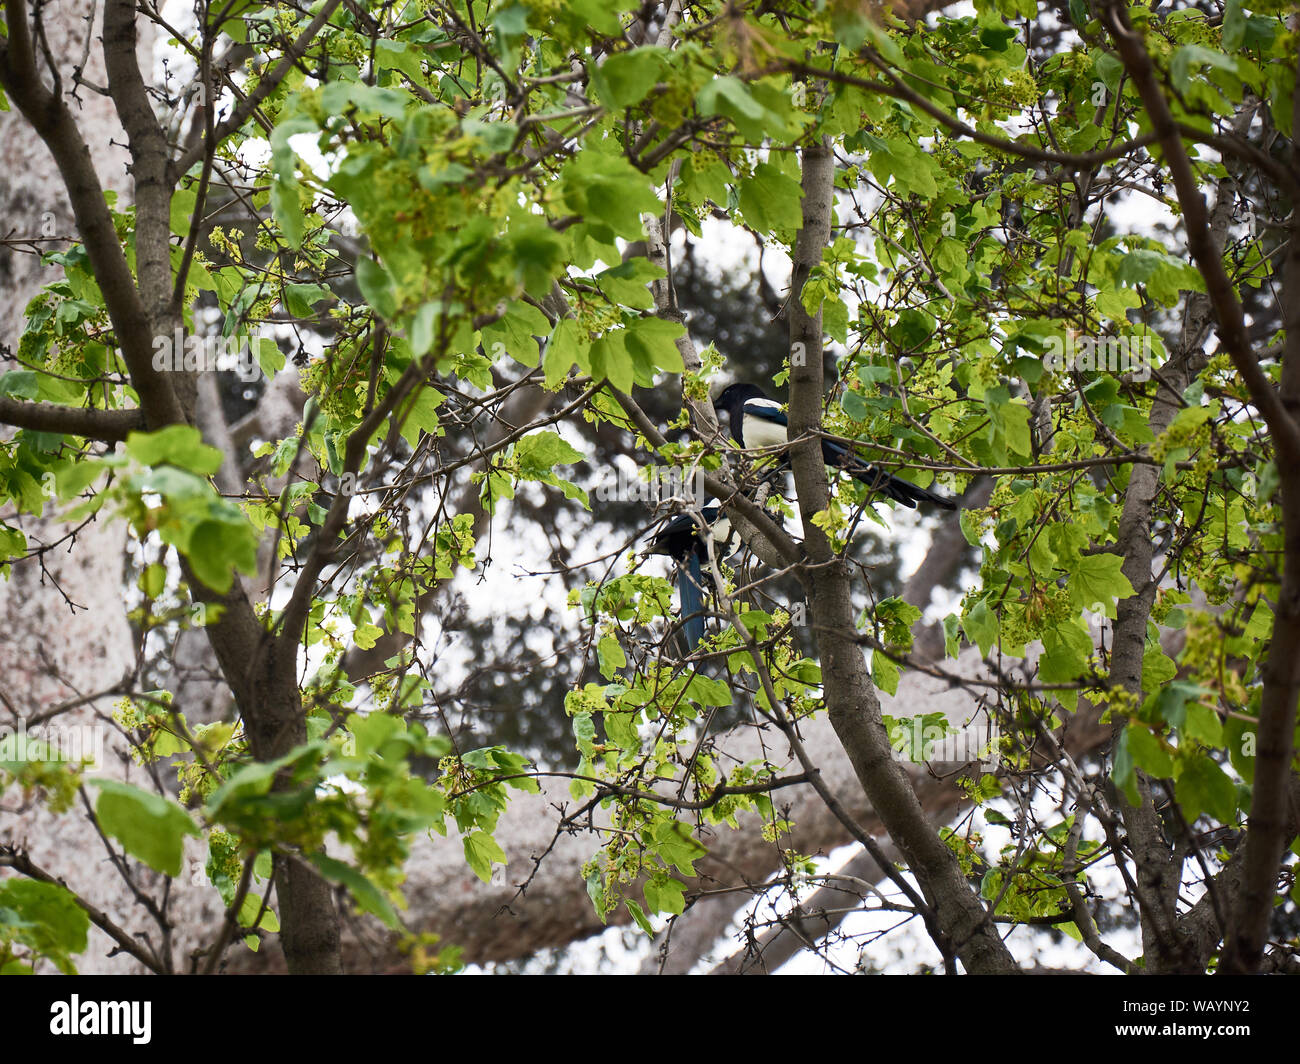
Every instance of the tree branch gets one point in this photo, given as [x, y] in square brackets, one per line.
[52, 121]
[111, 426]
[854, 708]
[1268, 817]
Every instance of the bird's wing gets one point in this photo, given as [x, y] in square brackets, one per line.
[766, 410]
[881, 480]
[681, 533]
[765, 423]
[674, 536]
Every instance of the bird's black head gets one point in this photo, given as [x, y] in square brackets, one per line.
[735, 396]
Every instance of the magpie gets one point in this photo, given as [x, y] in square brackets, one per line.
[757, 420]
[682, 539]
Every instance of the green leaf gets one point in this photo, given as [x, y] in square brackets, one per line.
[608, 190]
[994, 33]
[639, 917]
[665, 895]
[1008, 433]
[286, 206]
[369, 898]
[564, 350]
[884, 672]
[217, 546]
[420, 332]
[153, 580]
[376, 287]
[911, 168]
[147, 825]
[540, 452]
[1165, 277]
[1109, 68]
[1203, 787]
[366, 635]
[1193, 55]
[481, 852]
[620, 727]
[1123, 769]
[611, 656]
[1171, 700]
[511, 24]
[627, 77]
[180, 445]
[516, 332]
[610, 360]
[981, 626]
[951, 629]
[399, 55]
[1158, 668]
[1203, 725]
[581, 17]
[1066, 650]
[1149, 753]
[421, 414]
[21, 384]
[854, 405]
[707, 691]
[300, 298]
[771, 201]
[1096, 582]
[912, 328]
[652, 343]
[46, 918]
[730, 97]
[677, 847]
[342, 97]
[182, 210]
[538, 253]
[627, 283]
[758, 111]
[1240, 739]
[1242, 32]
[269, 356]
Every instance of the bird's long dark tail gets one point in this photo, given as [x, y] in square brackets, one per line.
[690, 593]
[881, 480]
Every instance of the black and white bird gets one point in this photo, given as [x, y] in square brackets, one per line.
[683, 540]
[758, 421]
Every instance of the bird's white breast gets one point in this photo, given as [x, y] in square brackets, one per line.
[759, 433]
